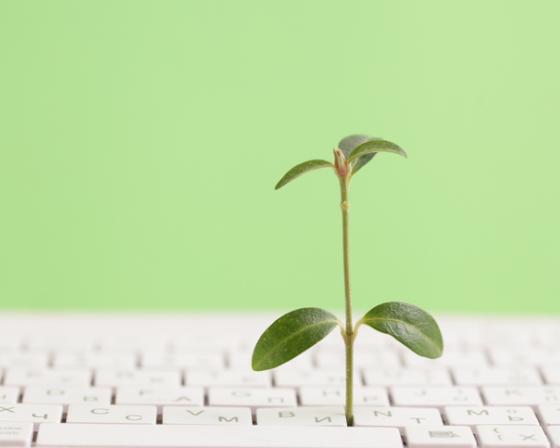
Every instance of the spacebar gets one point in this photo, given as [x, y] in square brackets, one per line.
[176, 436]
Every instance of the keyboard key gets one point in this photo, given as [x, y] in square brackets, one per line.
[551, 375]
[67, 395]
[511, 437]
[30, 413]
[496, 376]
[296, 378]
[81, 360]
[303, 416]
[487, 415]
[228, 378]
[407, 377]
[190, 415]
[160, 396]
[549, 414]
[170, 360]
[9, 394]
[111, 414]
[435, 396]
[42, 377]
[439, 437]
[147, 378]
[396, 417]
[448, 359]
[178, 436]
[554, 435]
[521, 396]
[332, 396]
[529, 357]
[36, 360]
[16, 434]
[251, 397]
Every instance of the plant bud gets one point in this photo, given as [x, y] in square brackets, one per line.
[340, 163]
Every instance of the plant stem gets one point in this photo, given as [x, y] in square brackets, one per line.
[349, 330]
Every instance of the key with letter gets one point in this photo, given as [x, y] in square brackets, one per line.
[251, 397]
[490, 415]
[67, 395]
[194, 415]
[147, 378]
[396, 417]
[160, 396]
[31, 413]
[305, 416]
[111, 414]
[435, 396]
[511, 437]
[332, 396]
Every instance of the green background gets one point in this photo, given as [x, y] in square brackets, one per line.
[140, 142]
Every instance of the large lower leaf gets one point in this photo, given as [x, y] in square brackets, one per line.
[290, 335]
[408, 324]
[300, 169]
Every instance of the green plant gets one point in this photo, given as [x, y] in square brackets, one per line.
[297, 331]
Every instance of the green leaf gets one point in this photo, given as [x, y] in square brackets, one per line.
[374, 146]
[300, 169]
[290, 335]
[348, 144]
[409, 325]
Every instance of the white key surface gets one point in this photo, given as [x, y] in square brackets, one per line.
[116, 414]
[439, 437]
[160, 396]
[332, 396]
[122, 377]
[490, 415]
[44, 376]
[201, 436]
[16, 434]
[251, 397]
[521, 396]
[9, 394]
[227, 378]
[491, 436]
[406, 377]
[67, 395]
[435, 396]
[496, 376]
[549, 414]
[30, 413]
[195, 415]
[302, 416]
[399, 417]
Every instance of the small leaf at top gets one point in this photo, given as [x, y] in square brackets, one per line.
[348, 144]
[409, 325]
[374, 146]
[300, 169]
[290, 335]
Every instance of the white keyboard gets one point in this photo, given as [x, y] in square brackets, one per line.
[185, 381]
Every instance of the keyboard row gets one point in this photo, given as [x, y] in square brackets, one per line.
[287, 377]
[376, 416]
[438, 397]
[263, 436]
[327, 357]
[240, 428]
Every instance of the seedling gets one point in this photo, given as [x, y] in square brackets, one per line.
[297, 331]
